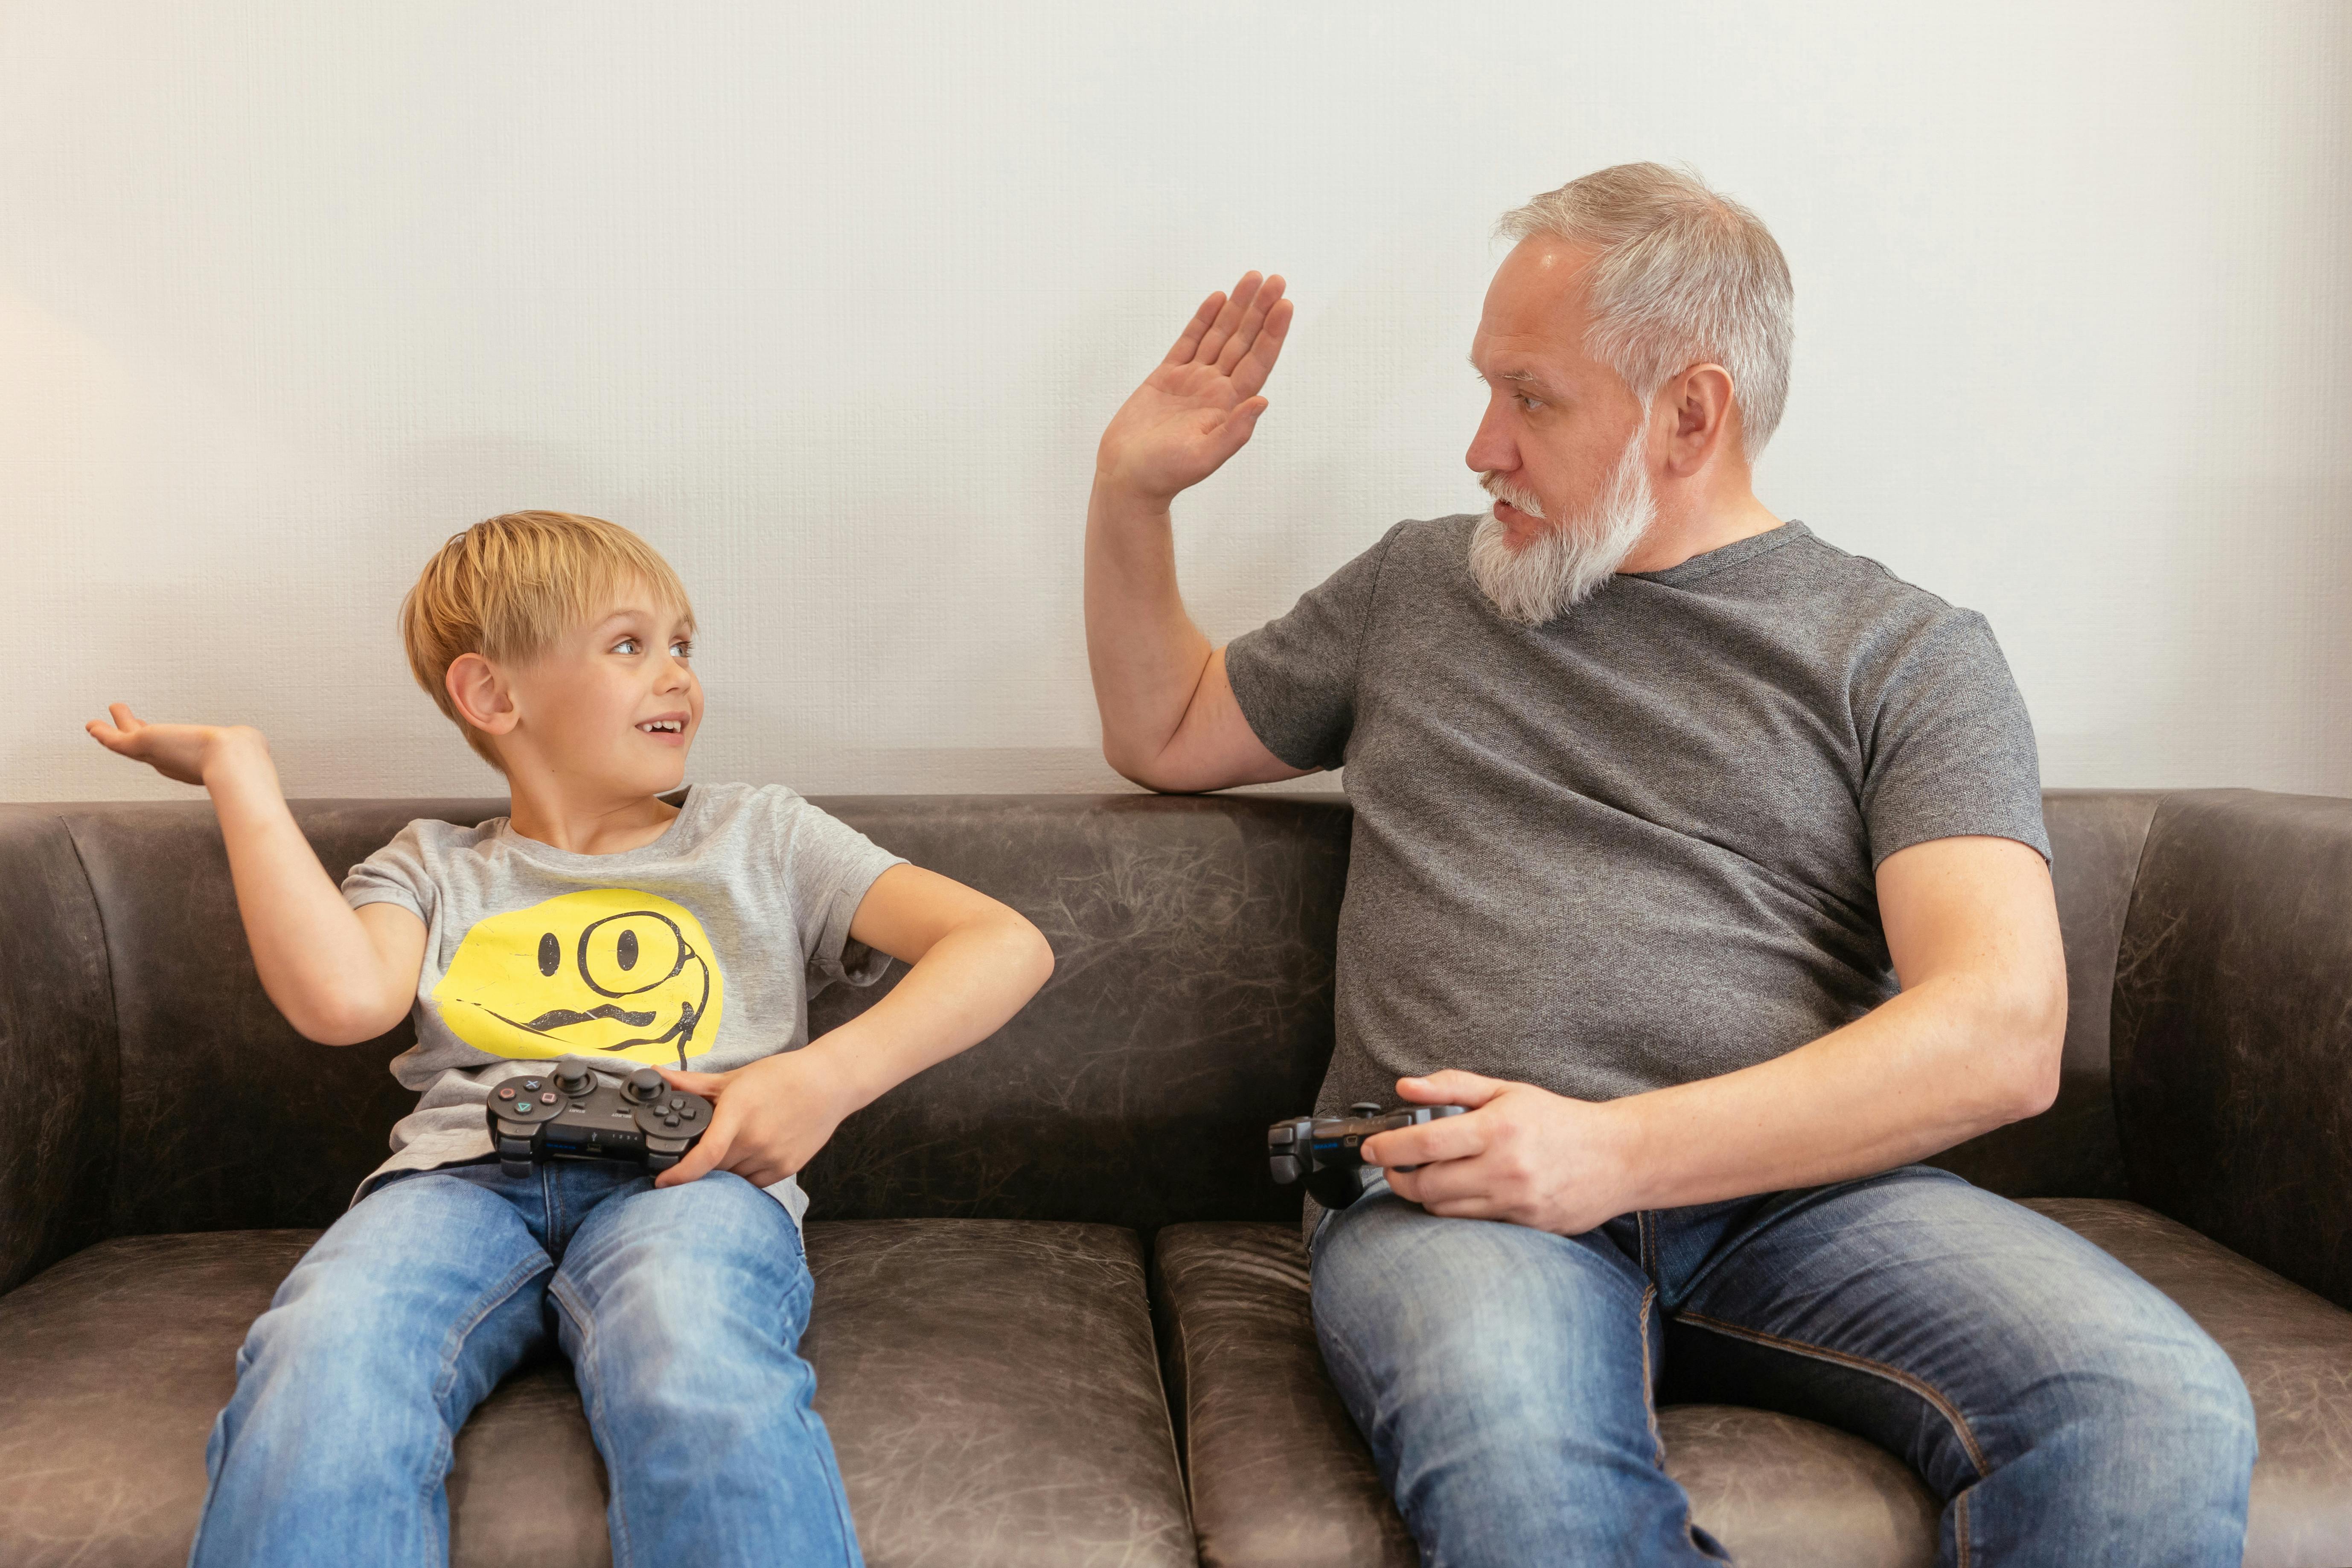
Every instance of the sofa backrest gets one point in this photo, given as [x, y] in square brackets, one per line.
[1191, 1005]
[2233, 1028]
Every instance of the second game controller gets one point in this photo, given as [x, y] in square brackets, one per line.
[1325, 1152]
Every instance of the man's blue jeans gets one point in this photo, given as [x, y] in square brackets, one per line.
[679, 1310]
[2066, 1411]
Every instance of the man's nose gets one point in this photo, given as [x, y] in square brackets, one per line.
[1491, 449]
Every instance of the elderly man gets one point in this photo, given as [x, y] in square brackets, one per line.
[1704, 862]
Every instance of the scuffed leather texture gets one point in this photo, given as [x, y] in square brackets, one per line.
[229, 1119]
[1279, 1476]
[1190, 1005]
[2095, 839]
[990, 1385]
[58, 1086]
[2233, 1028]
[2293, 1350]
[1783, 1492]
[994, 1396]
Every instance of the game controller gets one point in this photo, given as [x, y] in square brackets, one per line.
[572, 1112]
[1327, 1151]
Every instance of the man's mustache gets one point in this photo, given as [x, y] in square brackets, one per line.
[1502, 490]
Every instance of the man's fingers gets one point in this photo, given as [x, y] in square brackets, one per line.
[1450, 1138]
[1452, 1087]
[1268, 296]
[1259, 363]
[1236, 307]
[1190, 338]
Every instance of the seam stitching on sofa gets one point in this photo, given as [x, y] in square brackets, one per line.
[1860, 1363]
[113, 1013]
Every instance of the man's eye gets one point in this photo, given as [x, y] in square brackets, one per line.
[1529, 404]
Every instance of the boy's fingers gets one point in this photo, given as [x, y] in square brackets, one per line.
[700, 1160]
[706, 1084]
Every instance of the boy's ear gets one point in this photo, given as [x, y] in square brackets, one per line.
[480, 693]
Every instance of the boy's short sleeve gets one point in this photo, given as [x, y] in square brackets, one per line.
[1951, 747]
[396, 874]
[826, 868]
[1295, 677]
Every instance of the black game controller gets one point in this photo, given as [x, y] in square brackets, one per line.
[1327, 1150]
[574, 1113]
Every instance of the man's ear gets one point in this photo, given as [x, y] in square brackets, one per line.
[1700, 402]
[481, 694]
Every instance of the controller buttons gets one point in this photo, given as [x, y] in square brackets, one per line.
[530, 1084]
[507, 1093]
[548, 1099]
[688, 1112]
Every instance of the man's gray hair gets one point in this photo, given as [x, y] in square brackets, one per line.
[1682, 277]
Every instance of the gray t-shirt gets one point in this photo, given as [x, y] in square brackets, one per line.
[1635, 845]
[700, 950]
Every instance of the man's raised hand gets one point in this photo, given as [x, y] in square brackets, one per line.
[1198, 406]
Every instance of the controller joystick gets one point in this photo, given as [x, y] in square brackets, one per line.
[1327, 1151]
[575, 1113]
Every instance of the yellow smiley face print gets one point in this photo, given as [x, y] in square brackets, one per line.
[610, 972]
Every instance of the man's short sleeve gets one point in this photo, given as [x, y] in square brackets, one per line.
[1951, 748]
[827, 868]
[1295, 677]
[396, 874]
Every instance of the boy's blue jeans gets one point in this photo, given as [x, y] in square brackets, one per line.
[679, 1310]
[2066, 1411]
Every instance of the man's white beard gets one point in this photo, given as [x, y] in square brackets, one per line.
[1564, 565]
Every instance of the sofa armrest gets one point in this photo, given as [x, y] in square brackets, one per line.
[60, 1080]
[2233, 1028]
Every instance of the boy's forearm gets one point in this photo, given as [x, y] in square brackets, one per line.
[315, 958]
[960, 992]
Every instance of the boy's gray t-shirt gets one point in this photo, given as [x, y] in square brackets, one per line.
[699, 949]
[1635, 845]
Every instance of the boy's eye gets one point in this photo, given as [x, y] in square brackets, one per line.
[627, 644]
[682, 649]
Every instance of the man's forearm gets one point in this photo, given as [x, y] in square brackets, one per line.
[1931, 1068]
[1146, 655]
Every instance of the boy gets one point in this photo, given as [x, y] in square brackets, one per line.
[600, 921]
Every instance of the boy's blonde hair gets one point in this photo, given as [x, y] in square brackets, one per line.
[511, 586]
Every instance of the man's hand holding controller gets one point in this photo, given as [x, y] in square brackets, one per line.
[1521, 1155]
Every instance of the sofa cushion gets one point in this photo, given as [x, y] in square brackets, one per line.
[989, 1386]
[1279, 1475]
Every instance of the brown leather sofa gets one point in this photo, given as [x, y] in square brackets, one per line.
[1061, 1313]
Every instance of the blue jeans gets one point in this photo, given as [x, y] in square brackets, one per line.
[2064, 1409]
[679, 1310]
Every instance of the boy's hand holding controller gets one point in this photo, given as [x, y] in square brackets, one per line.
[975, 963]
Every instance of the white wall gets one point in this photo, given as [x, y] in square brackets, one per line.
[831, 303]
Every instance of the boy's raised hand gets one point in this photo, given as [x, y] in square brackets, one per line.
[178, 751]
[770, 1117]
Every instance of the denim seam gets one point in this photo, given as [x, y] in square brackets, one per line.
[489, 1301]
[1960, 1527]
[1649, 1404]
[1860, 1363]
[591, 1401]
